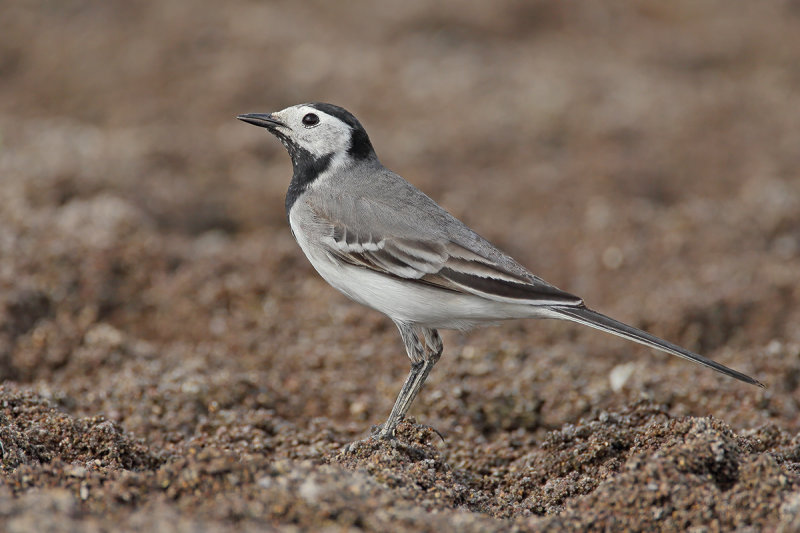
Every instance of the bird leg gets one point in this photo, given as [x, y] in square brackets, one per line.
[412, 385]
[424, 347]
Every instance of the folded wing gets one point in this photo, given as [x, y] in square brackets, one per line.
[435, 259]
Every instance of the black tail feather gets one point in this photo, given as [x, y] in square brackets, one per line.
[596, 320]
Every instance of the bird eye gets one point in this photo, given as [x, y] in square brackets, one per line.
[310, 120]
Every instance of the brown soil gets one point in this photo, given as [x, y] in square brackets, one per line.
[170, 361]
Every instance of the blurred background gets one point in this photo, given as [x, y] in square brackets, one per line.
[642, 154]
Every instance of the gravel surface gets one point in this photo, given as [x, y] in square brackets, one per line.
[171, 362]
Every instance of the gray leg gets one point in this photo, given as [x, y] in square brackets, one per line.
[424, 347]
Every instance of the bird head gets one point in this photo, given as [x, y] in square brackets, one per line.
[316, 131]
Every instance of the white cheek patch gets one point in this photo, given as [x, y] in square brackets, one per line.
[330, 135]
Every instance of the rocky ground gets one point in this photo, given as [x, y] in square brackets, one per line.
[171, 362]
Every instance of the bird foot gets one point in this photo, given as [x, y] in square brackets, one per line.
[373, 441]
[379, 432]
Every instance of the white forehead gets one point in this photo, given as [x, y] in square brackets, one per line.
[295, 112]
[327, 136]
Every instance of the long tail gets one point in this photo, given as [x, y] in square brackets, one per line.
[587, 317]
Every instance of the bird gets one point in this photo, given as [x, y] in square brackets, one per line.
[385, 244]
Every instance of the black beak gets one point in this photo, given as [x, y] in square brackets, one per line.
[262, 120]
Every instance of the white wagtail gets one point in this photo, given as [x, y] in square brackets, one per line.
[387, 245]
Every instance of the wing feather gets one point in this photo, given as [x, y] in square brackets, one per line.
[397, 246]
